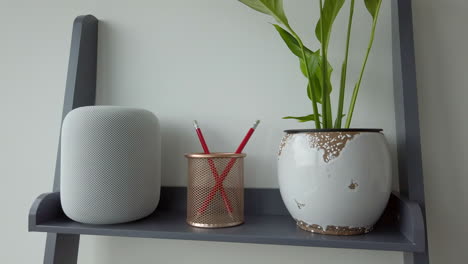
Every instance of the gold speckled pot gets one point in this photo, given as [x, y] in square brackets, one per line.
[335, 182]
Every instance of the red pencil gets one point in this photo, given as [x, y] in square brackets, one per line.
[220, 180]
[227, 203]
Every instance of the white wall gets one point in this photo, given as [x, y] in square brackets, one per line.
[224, 65]
[441, 40]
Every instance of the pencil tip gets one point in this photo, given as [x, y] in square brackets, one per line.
[195, 124]
[256, 124]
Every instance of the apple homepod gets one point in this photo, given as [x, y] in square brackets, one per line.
[110, 164]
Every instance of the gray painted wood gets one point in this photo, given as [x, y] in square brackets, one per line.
[407, 114]
[398, 230]
[257, 201]
[61, 248]
[80, 90]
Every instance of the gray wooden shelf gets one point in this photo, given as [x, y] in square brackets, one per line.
[401, 228]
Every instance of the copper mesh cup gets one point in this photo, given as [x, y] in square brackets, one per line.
[207, 207]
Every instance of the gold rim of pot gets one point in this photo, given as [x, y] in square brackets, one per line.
[215, 155]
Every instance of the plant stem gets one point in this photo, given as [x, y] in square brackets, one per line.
[344, 70]
[356, 88]
[324, 72]
[309, 77]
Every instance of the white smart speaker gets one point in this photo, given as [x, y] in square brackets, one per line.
[110, 164]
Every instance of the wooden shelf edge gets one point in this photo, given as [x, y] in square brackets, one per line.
[411, 221]
[407, 235]
[46, 207]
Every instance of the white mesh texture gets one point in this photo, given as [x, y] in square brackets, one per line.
[110, 164]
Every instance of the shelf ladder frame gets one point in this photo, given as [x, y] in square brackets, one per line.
[407, 114]
[81, 91]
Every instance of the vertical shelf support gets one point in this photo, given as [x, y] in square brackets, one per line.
[407, 114]
[80, 91]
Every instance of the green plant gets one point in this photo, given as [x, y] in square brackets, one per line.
[314, 64]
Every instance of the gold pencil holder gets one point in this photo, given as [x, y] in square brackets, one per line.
[215, 192]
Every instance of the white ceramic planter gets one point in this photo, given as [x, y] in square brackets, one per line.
[335, 182]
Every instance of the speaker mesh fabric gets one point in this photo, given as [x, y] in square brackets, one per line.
[110, 164]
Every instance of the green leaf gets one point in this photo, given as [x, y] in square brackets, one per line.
[340, 117]
[331, 8]
[314, 62]
[315, 67]
[372, 6]
[273, 8]
[301, 119]
[309, 91]
[319, 75]
[344, 69]
[290, 41]
[314, 83]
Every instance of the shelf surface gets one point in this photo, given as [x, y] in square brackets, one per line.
[278, 228]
